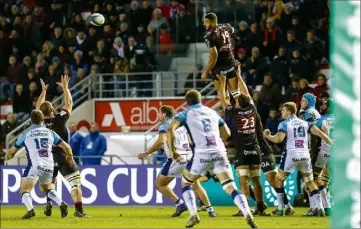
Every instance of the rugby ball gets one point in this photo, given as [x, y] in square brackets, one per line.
[96, 19]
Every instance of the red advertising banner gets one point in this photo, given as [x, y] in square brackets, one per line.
[139, 115]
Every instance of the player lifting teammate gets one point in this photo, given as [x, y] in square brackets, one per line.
[172, 168]
[296, 155]
[206, 130]
[221, 60]
[56, 122]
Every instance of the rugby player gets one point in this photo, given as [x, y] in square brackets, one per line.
[248, 161]
[56, 122]
[296, 155]
[326, 124]
[172, 168]
[207, 132]
[38, 142]
[221, 60]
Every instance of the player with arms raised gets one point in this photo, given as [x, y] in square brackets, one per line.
[172, 168]
[206, 130]
[221, 60]
[56, 122]
[296, 155]
[38, 142]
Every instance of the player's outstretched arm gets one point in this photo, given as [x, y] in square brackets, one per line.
[42, 96]
[241, 84]
[222, 91]
[278, 138]
[162, 138]
[11, 153]
[316, 131]
[68, 151]
[170, 138]
[213, 55]
[224, 132]
[68, 101]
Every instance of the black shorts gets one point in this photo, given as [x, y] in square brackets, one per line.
[60, 164]
[268, 163]
[229, 70]
[250, 156]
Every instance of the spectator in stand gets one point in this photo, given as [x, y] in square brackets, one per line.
[273, 37]
[118, 47]
[51, 78]
[12, 77]
[92, 37]
[150, 45]
[40, 66]
[77, 23]
[146, 12]
[254, 37]
[164, 9]
[108, 35]
[261, 108]
[270, 94]
[280, 68]
[185, 27]
[33, 93]
[293, 91]
[101, 51]
[300, 30]
[25, 66]
[255, 67]
[273, 121]
[70, 36]
[82, 42]
[2, 143]
[242, 59]
[299, 66]
[134, 17]
[18, 48]
[58, 38]
[129, 50]
[241, 35]
[175, 8]
[55, 61]
[123, 32]
[95, 86]
[10, 123]
[165, 40]
[38, 16]
[291, 43]
[141, 35]
[286, 17]
[32, 32]
[75, 141]
[79, 62]
[321, 87]
[48, 51]
[304, 87]
[94, 144]
[158, 20]
[21, 104]
[17, 24]
[29, 78]
[5, 50]
[314, 50]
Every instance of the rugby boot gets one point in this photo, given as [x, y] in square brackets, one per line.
[239, 213]
[179, 210]
[289, 210]
[251, 222]
[313, 212]
[261, 212]
[63, 210]
[193, 220]
[202, 209]
[47, 209]
[29, 214]
[81, 214]
[211, 212]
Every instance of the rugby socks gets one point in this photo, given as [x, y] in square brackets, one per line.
[325, 197]
[251, 193]
[179, 202]
[210, 209]
[48, 200]
[190, 199]
[260, 205]
[280, 195]
[316, 198]
[240, 201]
[27, 200]
[285, 199]
[79, 206]
[53, 195]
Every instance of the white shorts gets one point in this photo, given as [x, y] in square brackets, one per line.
[173, 168]
[323, 158]
[39, 173]
[292, 161]
[214, 162]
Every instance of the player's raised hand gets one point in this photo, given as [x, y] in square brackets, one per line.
[266, 133]
[64, 82]
[141, 156]
[44, 86]
[204, 75]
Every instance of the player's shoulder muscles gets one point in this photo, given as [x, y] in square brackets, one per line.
[210, 39]
[282, 127]
[62, 116]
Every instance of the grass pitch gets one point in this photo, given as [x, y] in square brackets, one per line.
[149, 217]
